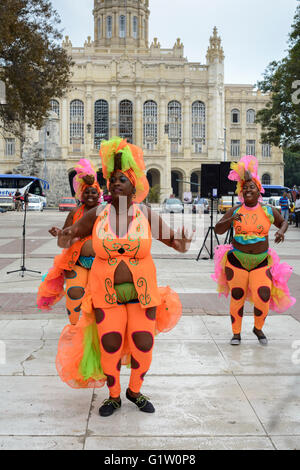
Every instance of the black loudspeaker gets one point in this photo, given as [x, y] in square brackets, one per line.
[210, 181]
[227, 187]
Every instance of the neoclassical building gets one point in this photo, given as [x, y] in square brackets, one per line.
[180, 112]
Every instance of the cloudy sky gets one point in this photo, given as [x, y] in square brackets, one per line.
[253, 32]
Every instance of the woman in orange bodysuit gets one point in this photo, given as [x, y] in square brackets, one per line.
[248, 268]
[123, 308]
[73, 265]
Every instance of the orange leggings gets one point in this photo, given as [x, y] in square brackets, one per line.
[76, 282]
[113, 325]
[259, 280]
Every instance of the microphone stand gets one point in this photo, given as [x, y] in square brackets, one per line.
[23, 269]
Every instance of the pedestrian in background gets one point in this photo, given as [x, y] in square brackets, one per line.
[297, 209]
[284, 204]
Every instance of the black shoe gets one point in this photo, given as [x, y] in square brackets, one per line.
[261, 337]
[235, 340]
[142, 403]
[109, 406]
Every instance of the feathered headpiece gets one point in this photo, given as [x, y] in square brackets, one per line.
[248, 164]
[132, 164]
[86, 176]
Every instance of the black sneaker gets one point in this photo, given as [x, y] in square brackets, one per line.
[142, 403]
[109, 406]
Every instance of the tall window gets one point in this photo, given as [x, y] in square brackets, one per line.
[122, 26]
[99, 28]
[251, 147]
[101, 129]
[10, 147]
[250, 116]
[266, 179]
[266, 150]
[135, 27]
[77, 123]
[108, 27]
[126, 120]
[235, 148]
[55, 106]
[198, 125]
[235, 116]
[174, 122]
[150, 124]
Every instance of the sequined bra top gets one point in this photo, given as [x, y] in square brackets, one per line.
[255, 224]
[133, 248]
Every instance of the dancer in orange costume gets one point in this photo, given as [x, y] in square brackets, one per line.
[248, 268]
[123, 307]
[73, 265]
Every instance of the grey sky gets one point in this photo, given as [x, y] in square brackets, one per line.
[253, 32]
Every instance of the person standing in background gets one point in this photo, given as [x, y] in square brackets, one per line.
[297, 209]
[284, 204]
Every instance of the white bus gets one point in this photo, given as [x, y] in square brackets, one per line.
[35, 186]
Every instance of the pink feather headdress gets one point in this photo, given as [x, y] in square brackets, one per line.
[247, 163]
[86, 175]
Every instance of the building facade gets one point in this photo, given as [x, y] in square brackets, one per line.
[181, 113]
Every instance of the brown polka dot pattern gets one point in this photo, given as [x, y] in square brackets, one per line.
[241, 312]
[75, 293]
[264, 293]
[229, 274]
[257, 312]
[71, 274]
[99, 315]
[151, 313]
[111, 342]
[269, 274]
[143, 375]
[77, 309]
[110, 380]
[143, 340]
[232, 319]
[134, 363]
[119, 365]
[237, 293]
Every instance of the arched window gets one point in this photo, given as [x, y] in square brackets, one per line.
[198, 125]
[235, 116]
[150, 124]
[101, 129]
[55, 106]
[99, 28]
[250, 116]
[122, 26]
[77, 122]
[108, 27]
[126, 120]
[135, 27]
[266, 179]
[174, 122]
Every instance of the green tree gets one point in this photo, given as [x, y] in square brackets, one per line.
[291, 169]
[33, 66]
[154, 194]
[280, 119]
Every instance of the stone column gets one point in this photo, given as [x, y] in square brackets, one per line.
[114, 128]
[138, 137]
[187, 124]
[65, 134]
[88, 120]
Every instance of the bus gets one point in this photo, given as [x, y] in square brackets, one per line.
[35, 186]
[273, 191]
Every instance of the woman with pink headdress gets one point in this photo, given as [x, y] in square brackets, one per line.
[73, 265]
[248, 269]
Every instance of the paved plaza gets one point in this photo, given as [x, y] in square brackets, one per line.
[207, 394]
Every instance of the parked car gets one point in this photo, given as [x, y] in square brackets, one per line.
[67, 204]
[172, 206]
[35, 204]
[225, 203]
[201, 205]
[7, 203]
[274, 201]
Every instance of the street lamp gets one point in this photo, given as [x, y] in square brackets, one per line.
[89, 128]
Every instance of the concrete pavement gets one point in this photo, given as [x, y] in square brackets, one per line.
[208, 394]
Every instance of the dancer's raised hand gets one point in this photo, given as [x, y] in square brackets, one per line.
[182, 240]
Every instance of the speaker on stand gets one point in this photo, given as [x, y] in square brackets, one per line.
[227, 188]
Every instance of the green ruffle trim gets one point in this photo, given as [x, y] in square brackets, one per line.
[90, 365]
